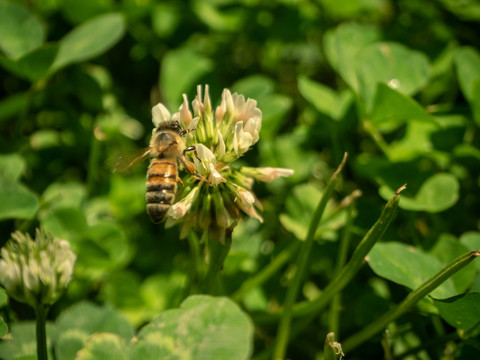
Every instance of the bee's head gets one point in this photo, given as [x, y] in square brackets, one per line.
[167, 140]
[169, 126]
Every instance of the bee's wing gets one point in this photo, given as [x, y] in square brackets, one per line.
[123, 162]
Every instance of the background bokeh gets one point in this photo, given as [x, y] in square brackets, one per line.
[396, 84]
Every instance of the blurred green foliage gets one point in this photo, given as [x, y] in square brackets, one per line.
[396, 84]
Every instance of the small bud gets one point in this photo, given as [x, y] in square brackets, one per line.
[36, 272]
[160, 114]
[245, 200]
[185, 114]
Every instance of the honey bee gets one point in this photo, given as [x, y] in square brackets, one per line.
[166, 150]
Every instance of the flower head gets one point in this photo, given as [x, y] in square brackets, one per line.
[214, 198]
[36, 272]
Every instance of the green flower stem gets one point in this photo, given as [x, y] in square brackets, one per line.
[283, 331]
[279, 260]
[41, 333]
[341, 260]
[313, 307]
[377, 137]
[411, 299]
[93, 161]
[218, 251]
[349, 271]
[195, 265]
[267, 272]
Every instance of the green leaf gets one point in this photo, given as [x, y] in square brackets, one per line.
[438, 193]
[467, 62]
[3, 327]
[274, 109]
[392, 109]
[17, 202]
[122, 290]
[3, 298]
[342, 46]
[218, 17]
[466, 10]
[67, 223]
[393, 64]
[287, 152]
[21, 342]
[13, 105]
[320, 96]
[475, 103]
[64, 195]
[82, 320]
[126, 204]
[471, 240]
[204, 327]
[467, 151]
[34, 65]
[181, 69]
[274, 106]
[12, 166]
[462, 312]
[79, 11]
[446, 249]
[161, 292]
[20, 31]
[90, 39]
[352, 8]
[106, 248]
[300, 206]
[100, 246]
[104, 346]
[165, 18]
[416, 141]
[254, 87]
[408, 266]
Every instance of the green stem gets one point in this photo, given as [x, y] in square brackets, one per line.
[93, 160]
[217, 252]
[282, 258]
[195, 267]
[283, 331]
[350, 270]
[341, 260]
[311, 308]
[267, 272]
[376, 136]
[41, 333]
[411, 299]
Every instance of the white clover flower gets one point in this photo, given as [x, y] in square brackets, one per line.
[217, 194]
[205, 164]
[180, 208]
[36, 272]
[245, 200]
[266, 174]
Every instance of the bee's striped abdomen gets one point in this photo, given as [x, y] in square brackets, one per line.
[161, 187]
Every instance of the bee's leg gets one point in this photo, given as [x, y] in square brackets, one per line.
[190, 148]
[190, 166]
[185, 132]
